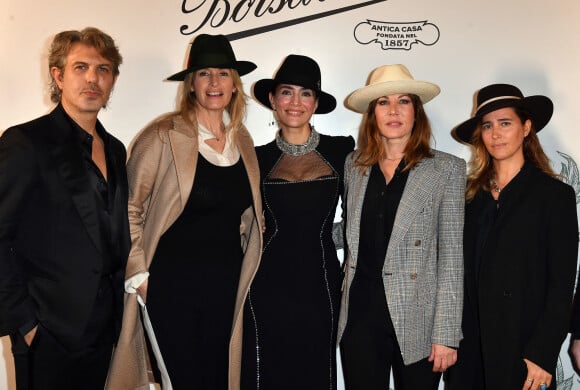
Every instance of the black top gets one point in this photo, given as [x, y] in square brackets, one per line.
[378, 216]
[194, 278]
[367, 297]
[333, 148]
[104, 190]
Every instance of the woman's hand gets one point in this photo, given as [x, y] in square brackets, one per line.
[536, 377]
[575, 350]
[442, 357]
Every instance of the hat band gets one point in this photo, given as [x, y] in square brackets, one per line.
[210, 60]
[495, 99]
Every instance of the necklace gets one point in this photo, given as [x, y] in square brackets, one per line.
[301, 149]
[218, 138]
[494, 186]
[393, 159]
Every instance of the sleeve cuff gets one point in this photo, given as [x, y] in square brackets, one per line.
[135, 281]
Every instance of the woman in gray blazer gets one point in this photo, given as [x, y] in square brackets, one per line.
[403, 287]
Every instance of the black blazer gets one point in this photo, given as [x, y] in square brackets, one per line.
[50, 245]
[520, 296]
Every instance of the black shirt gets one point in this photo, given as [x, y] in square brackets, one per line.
[377, 219]
[367, 293]
[104, 190]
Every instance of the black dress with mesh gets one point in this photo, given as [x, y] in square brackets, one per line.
[291, 314]
[194, 278]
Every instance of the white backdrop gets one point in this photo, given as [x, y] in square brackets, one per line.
[461, 45]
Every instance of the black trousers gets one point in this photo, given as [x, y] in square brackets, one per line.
[47, 365]
[369, 349]
[367, 362]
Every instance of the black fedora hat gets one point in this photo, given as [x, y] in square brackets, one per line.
[212, 51]
[296, 70]
[496, 96]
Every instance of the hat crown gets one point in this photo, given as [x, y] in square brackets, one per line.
[388, 73]
[299, 70]
[388, 80]
[495, 92]
[209, 51]
[212, 51]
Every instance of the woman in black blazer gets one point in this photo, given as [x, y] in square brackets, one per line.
[521, 245]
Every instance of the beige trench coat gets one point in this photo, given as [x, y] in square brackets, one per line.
[161, 170]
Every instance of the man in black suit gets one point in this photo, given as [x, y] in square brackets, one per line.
[64, 233]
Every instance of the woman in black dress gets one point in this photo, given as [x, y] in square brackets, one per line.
[291, 314]
[193, 183]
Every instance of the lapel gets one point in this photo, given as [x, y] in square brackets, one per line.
[420, 183]
[184, 147]
[513, 195]
[355, 196]
[248, 154]
[62, 145]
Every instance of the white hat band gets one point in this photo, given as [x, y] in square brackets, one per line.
[494, 99]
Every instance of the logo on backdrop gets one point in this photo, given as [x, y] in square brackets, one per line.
[396, 36]
[214, 13]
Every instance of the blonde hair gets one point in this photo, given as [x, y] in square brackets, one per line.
[481, 162]
[186, 103]
[370, 148]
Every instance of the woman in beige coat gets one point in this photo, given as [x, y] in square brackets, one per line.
[193, 190]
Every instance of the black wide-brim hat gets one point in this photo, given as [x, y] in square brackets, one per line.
[212, 51]
[496, 96]
[296, 70]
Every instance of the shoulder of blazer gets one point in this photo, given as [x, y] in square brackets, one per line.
[157, 132]
[552, 187]
[165, 123]
[244, 139]
[50, 128]
[444, 160]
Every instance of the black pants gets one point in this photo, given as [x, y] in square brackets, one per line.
[369, 349]
[48, 365]
[367, 362]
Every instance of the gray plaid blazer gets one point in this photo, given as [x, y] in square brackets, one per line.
[423, 268]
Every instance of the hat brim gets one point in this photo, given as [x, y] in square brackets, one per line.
[360, 99]
[540, 108]
[242, 67]
[262, 89]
